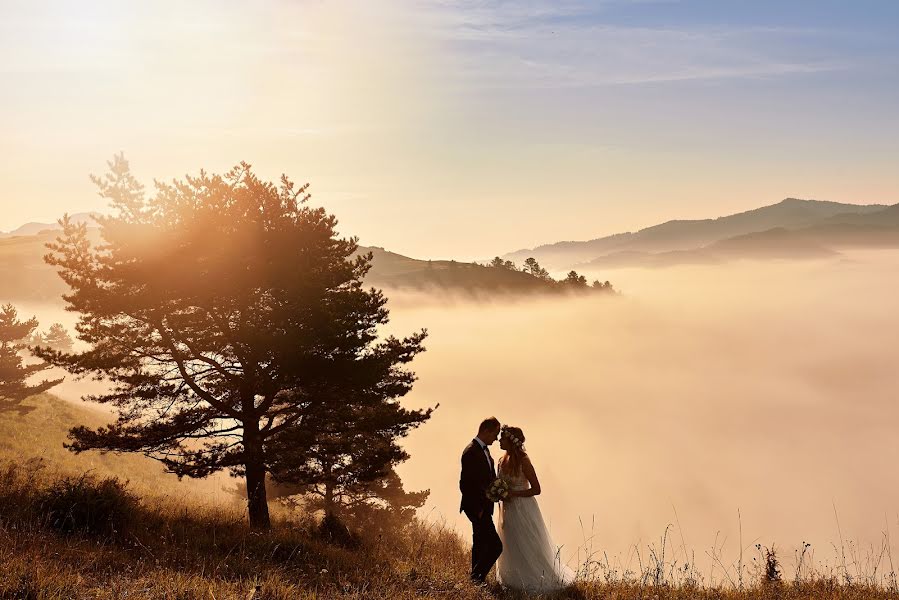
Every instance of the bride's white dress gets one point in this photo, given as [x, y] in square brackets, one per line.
[529, 562]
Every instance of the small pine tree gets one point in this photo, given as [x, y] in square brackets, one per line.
[35, 339]
[533, 268]
[383, 504]
[57, 338]
[499, 263]
[603, 286]
[14, 373]
[575, 280]
[342, 468]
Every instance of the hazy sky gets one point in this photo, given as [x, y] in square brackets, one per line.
[459, 129]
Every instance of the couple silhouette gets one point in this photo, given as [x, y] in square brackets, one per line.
[521, 548]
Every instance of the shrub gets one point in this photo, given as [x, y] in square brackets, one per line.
[18, 482]
[333, 530]
[87, 505]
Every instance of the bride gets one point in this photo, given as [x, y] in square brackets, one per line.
[529, 561]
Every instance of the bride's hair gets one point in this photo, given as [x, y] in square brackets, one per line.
[516, 454]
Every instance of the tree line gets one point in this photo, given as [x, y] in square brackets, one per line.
[573, 280]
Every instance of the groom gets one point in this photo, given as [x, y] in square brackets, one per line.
[478, 472]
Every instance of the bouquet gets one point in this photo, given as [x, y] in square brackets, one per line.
[498, 490]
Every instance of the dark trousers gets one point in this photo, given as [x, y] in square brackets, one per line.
[485, 547]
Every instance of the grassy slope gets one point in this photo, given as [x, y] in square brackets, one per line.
[40, 435]
[174, 546]
[23, 274]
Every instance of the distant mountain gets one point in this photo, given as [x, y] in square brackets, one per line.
[35, 228]
[683, 235]
[888, 217]
[843, 232]
[772, 244]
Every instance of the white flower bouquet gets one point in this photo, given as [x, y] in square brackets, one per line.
[498, 490]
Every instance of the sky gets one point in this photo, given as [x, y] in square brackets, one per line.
[459, 129]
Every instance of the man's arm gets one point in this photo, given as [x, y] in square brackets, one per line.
[469, 483]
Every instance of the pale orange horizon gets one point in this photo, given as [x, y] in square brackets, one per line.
[452, 130]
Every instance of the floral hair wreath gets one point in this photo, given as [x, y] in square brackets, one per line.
[507, 433]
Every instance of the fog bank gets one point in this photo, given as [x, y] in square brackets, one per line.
[764, 388]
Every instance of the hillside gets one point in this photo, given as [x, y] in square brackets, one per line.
[690, 236]
[394, 271]
[41, 433]
[25, 277]
[67, 533]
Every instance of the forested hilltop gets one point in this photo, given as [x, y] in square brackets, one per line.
[26, 277]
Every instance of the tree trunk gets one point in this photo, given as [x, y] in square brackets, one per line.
[257, 499]
[329, 500]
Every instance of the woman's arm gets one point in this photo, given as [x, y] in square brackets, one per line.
[528, 469]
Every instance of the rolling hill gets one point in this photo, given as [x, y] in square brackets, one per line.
[394, 271]
[41, 432]
[24, 276]
[35, 227]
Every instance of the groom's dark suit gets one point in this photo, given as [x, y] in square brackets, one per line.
[478, 472]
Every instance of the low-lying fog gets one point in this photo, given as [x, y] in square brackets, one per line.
[764, 388]
[768, 388]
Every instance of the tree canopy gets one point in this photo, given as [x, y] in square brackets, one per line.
[225, 312]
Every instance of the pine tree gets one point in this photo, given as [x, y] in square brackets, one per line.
[603, 286]
[35, 339]
[574, 280]
[533, 268]
[14, 373]
[57, 338]
[385, 504]
[351, 457]
[223, 309]
[499, 263]
[379, 505]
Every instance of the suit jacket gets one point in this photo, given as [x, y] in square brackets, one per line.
[477, 475]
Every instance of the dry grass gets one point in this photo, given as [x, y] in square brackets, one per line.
[64, 535]
[42, 432]
[180, 550]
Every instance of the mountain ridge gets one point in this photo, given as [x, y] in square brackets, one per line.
[692, 234]
[36, 227]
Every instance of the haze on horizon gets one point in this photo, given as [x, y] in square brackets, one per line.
[459, 129]
[759, 394]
